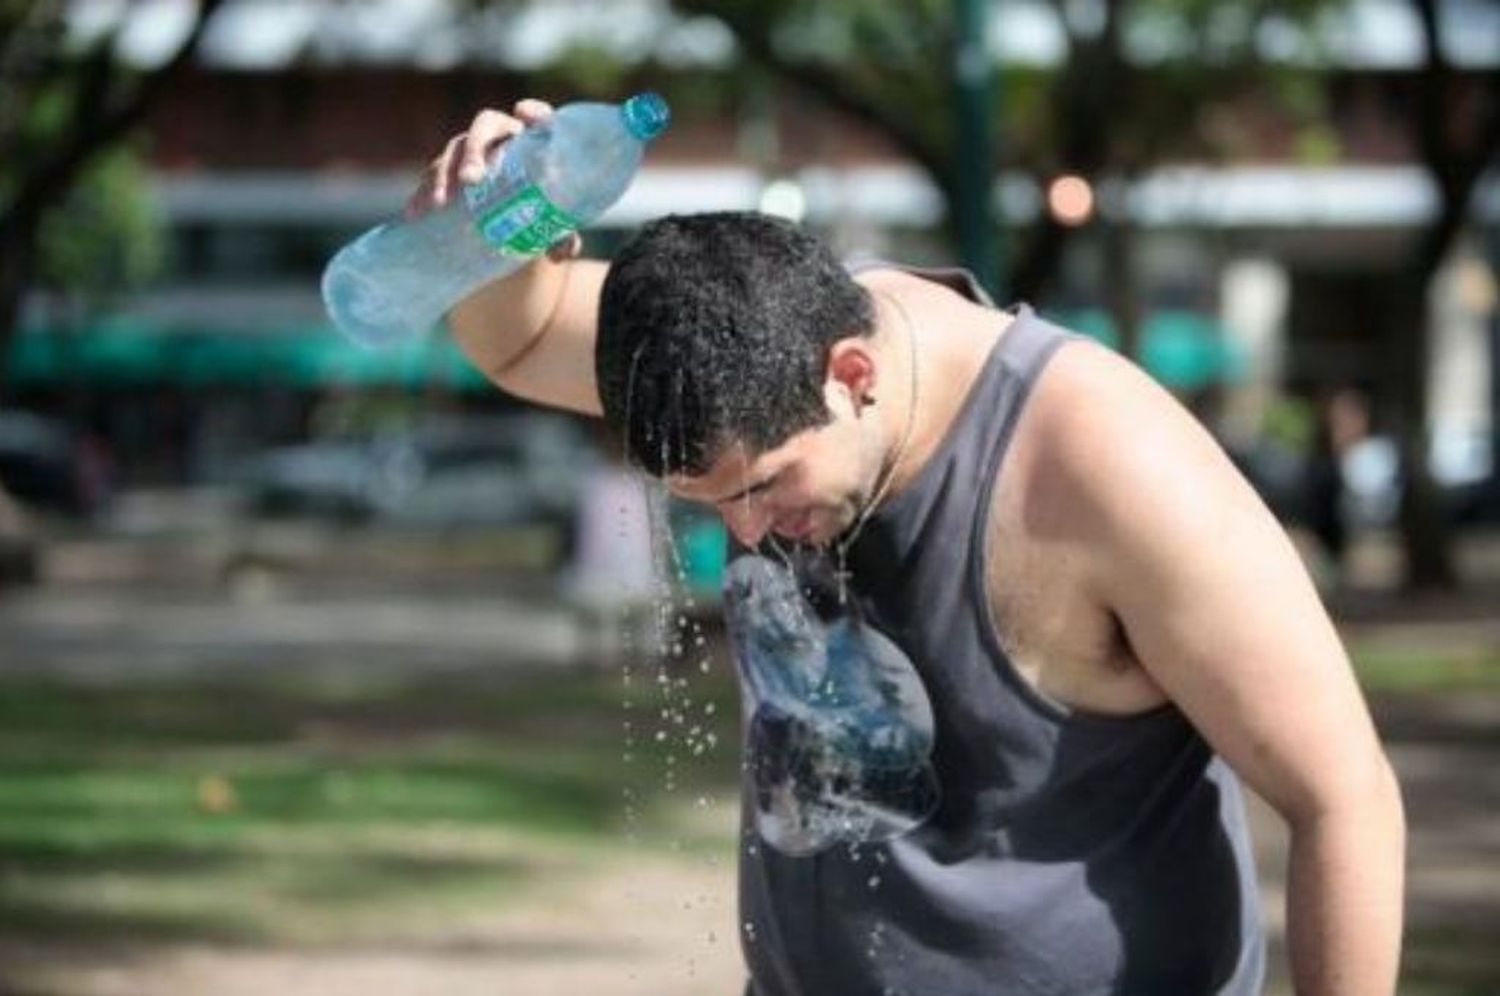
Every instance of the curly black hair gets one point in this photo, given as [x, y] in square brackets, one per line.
[714, 330]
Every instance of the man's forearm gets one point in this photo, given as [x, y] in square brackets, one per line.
[1344, 896]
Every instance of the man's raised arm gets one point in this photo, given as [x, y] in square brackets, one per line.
[532, 333]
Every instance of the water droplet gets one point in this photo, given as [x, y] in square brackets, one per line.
[749, 931]
[873, 882]
[709, 709]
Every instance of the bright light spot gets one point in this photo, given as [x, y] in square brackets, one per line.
[785, 199]
[1071, 200]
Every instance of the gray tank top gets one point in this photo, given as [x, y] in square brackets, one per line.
[918, 820]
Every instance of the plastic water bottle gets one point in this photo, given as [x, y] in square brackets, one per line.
[395, 281]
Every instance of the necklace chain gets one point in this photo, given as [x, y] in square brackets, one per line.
[888, 474]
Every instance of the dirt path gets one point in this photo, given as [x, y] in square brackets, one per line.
[649, 928]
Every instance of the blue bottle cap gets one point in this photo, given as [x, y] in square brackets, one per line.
[646, 115]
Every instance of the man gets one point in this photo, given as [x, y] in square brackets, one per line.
[1000, 607]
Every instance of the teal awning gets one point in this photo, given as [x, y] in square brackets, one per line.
[1182, 349]
[134, 353]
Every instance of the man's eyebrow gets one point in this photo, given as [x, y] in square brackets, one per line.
[747, 492]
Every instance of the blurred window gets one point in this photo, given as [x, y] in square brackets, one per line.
[239, 252]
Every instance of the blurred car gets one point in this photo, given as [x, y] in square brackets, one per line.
[445, 474]
[494, 492]
[46, 467]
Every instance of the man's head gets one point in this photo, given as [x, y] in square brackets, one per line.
[732, 344]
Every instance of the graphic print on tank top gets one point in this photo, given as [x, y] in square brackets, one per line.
[840, 730]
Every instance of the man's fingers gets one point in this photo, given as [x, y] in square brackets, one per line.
[440, 173]
[466, 157]
[531, 110]
[432, 192]
[566, 248]
[487, 131]
[418, 203]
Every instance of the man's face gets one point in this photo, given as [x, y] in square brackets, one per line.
[807, 490]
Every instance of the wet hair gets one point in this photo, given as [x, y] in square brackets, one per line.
[714, 330]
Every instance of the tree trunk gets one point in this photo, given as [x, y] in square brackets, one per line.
[1425, 539]
[1121, 286]
[17, 259]
[1091, 96]
[1456, 139]
[1038, 260]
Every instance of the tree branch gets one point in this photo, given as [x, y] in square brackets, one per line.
[827, 85]
[1455, 163]
[99, 127]
[1435, 83]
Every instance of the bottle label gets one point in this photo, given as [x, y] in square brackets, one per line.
[525, 223]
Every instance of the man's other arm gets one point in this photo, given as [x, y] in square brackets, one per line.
[1220, 611]
[532, 333]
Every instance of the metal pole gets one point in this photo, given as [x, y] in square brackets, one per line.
[974, 152]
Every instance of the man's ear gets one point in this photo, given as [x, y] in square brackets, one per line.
[851, 366]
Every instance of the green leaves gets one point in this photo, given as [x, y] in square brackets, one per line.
[106, 236]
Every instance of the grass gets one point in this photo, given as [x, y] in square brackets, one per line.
[323, 811]
[1401, 669]
[270, 813]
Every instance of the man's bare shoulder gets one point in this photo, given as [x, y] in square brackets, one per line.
[1102, 446]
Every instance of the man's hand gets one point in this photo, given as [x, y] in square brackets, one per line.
[531, 333]
[466, 157]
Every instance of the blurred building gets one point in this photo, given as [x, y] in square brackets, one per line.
[302, 124]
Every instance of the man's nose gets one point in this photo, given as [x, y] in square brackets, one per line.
[748, 521]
